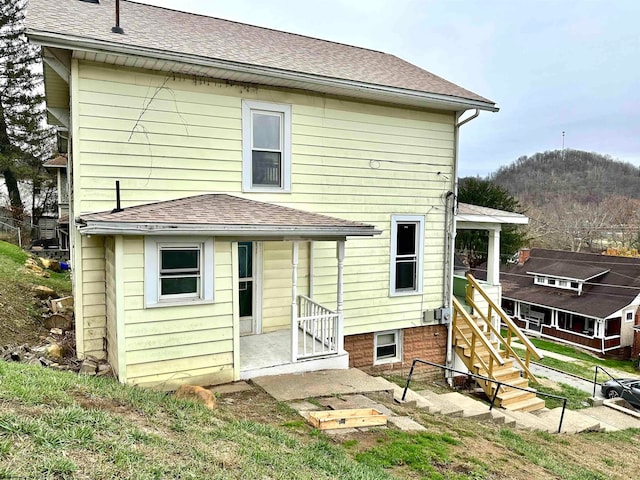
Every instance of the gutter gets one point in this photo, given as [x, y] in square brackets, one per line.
[69, 42]
[120, 228]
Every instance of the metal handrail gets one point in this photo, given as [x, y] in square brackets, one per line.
[624, 387]
[486, 379]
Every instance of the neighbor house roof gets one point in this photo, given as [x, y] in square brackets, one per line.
[220, 215]
[57, 162]
[167, 34]
[601, 297]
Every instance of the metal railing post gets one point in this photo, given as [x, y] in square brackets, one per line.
[595, 382]
[406, 387]
[564, 406]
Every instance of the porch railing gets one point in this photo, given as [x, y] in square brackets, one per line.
[317, 329]
[512, 329]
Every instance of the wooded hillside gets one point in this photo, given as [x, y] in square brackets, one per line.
[575, 200]
[586, 177]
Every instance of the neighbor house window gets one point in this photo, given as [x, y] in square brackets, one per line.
[407, 245]
[266, 146]
[178, 272]
[629, 316]
[387, 347]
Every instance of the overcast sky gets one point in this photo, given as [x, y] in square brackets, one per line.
[551, 66]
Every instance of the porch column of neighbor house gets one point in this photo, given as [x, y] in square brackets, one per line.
[493, 257]
[340, 295]
[295, 249]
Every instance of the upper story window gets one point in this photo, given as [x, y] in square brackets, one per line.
[407, 245]
[266, 147]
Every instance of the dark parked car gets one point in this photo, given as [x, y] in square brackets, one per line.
[627, 388]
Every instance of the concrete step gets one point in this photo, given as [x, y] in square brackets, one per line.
[528, 405]
[573, 421]
[612, 419]
[413, 398]
[528, 421]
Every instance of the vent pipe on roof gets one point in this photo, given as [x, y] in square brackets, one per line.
[117, 28]
[117, 209]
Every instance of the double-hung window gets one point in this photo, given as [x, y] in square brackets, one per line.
[407, 246]
[178, 272]
[386, 347]
[266, 146]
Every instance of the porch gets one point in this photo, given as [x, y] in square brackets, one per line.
[594, 334]
[310, 336]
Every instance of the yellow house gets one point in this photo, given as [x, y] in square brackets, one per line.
[246, 201]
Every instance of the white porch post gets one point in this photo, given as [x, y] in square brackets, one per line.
[493, 258]
[340, 295]
[294, 301]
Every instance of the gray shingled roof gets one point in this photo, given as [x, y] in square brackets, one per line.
[601, 296]
[220, 214]
[197, 36]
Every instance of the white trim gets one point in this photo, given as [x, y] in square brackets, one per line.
[235, 302]
[258, 279]
[419, 221]
[152, 247]
[248, 107]
[398, 343]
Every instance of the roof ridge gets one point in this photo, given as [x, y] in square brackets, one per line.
[268, 28]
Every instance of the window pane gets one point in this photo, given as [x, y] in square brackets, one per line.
[406, 275]
[179, 259]
[388, 351]
[245, 259]
[386, 338]
[266, 168]
[177, 285]
[406, 239]
[246, 300]
[266, 131]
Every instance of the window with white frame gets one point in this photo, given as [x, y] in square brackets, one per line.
[178, 271]
[629, 316]
[266, 146]
[386, 347]
[407, 246]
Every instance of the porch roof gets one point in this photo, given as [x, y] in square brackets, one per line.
[473, 214]
[220, 215]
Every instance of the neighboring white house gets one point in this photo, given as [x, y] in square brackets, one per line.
[284, 204]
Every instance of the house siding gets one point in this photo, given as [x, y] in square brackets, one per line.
[111, 303]
[277, 282]
[167, 346]
[93, 306]
[166, 136]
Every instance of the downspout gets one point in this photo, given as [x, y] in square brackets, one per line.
[451, 205]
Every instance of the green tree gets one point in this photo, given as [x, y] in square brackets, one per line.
[475, 243]
[25, 139]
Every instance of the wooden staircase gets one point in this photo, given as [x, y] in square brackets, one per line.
[484, 351]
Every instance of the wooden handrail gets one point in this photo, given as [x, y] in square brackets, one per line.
[512, 329]
[476, 334]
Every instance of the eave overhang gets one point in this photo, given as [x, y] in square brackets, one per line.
[256, 74]
[249, 231]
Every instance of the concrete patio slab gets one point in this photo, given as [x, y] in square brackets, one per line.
[324, 383]
[228, 388]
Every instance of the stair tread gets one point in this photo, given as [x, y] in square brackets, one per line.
[513, 393]
[530, 404]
